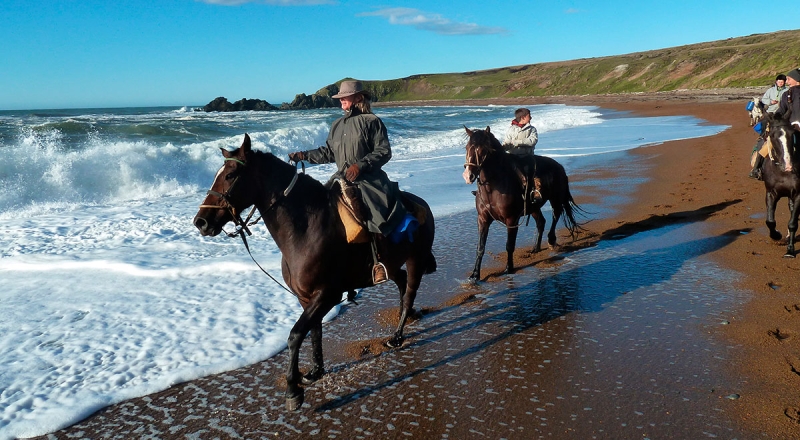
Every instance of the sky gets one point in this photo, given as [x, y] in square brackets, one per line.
[128, 53]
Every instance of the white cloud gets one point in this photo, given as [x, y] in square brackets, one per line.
[269, 2]
[432, 22]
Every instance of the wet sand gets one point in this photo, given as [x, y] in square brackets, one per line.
[673, 316]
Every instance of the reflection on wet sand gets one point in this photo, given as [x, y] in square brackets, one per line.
[610, 341]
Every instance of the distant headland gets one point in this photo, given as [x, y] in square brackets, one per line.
[740, 62]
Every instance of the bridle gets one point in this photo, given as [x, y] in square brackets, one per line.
[227, 205]
[477, 165]
[242, 225]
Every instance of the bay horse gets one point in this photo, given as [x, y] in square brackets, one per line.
[781, 173]
[317, 262]
[500, 194]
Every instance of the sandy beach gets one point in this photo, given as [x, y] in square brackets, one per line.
[672, 316]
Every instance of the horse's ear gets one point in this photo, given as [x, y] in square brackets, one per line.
[225, 153]
[469, 132]
[488, 129]
[246, 145]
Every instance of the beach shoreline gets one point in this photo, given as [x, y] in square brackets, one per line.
[687, 176]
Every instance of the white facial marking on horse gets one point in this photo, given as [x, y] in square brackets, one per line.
[783, 138]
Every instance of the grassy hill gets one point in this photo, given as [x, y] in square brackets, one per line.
[736, 62]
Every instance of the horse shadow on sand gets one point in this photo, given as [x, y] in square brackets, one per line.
[583, 288]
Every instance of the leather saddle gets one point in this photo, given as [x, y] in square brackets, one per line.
[353, 212]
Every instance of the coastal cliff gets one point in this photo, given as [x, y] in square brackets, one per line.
[751, 61]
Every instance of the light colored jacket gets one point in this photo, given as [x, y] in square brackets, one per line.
[773, 93]
[521, 140]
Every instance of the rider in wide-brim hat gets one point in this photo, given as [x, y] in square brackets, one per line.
[349, 88]
[359, 145]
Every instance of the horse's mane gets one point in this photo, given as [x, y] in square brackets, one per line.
[284, 171]
[486, 138]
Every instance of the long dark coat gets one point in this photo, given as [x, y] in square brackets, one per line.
[360, 138]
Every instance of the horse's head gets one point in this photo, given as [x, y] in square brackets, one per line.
[781, 136]
[228, 195]
[480, 145]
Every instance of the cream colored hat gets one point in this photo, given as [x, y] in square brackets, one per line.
[348, 88]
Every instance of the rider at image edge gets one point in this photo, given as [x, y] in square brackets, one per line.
[770, 101]
[359, 145]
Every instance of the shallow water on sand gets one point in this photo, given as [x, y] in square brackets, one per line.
[612, 341]
[618, 340]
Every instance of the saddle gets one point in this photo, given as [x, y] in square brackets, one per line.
[353, 213]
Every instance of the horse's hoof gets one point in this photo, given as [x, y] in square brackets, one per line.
[294, 403]
[474, 279]
[311, 378]
[789, 255]
[775, 236]
[395, 342]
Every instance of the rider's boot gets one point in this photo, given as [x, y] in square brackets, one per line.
[756, 172]
[379, 273]
[536, 192]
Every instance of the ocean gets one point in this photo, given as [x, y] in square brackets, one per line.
[109, 291]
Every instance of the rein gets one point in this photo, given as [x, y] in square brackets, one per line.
[242, 225]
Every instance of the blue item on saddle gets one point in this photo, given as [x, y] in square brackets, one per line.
[750, 105]
[757, 128]
[407, 226]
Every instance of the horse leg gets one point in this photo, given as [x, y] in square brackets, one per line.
[408, 293]
[483, 233]
[771, 201]
[318, 369]
[511, 244]
[793, 208]
[551, 235]
[540, 222]
[308, 321]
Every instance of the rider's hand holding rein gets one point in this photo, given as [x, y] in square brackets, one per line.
[297, 156]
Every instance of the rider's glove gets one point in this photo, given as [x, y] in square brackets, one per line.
[297, 156]
[352, 172]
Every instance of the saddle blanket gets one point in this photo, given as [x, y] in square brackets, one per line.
[357, 233]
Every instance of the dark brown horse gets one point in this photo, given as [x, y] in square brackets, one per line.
[317, 263]
[499, 196]
[781, 172]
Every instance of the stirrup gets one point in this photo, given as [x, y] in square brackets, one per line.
[379, 274]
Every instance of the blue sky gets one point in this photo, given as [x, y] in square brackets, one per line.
[121, 53]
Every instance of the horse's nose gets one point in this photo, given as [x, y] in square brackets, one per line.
[200, 223]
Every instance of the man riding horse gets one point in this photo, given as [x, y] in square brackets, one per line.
[520, 140]
[359, 145]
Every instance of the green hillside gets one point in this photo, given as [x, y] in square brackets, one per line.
[736, 62]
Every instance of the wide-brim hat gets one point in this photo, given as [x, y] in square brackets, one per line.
[349, 88]
[794, 74]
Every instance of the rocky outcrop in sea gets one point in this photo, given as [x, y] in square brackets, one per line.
[221, 104]
[321, 99]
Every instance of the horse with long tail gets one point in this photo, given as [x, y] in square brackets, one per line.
[500, 194]
[318, 263]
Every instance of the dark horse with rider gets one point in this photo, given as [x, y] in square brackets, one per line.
[778, 160]
[357, 231]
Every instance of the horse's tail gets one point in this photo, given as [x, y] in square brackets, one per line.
[570, 209]
[427, 232]
[430, 265]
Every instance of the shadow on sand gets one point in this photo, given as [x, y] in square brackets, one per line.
[579, 288]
